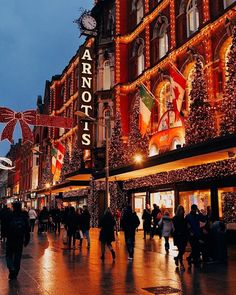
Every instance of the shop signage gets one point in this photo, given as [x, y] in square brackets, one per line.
[85, 100]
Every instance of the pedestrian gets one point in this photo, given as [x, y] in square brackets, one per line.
[43, 220]
[107, 236]
[18, 235]
[85, 225]
[71, 226]
[147, 220]
[56, 218]
[3, 217]
[129, 223]
[155, 215]
[32, 218]
[117, 219]
[193, 220]
[180, 235]
[166, 227]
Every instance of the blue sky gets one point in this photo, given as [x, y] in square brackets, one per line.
[37, 40]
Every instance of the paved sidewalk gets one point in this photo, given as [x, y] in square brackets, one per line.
[49, 269]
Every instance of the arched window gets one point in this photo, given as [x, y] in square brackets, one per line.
[160, 37]
[140, 60]
[139, 10]
[163, 40]
[107, 123]
[106, 75]
[192, 17]
[227, 3]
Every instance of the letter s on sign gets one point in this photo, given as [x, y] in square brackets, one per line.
[86, 140]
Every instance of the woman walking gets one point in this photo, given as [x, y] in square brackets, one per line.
[166, 227]
[107, 236]
[180, 235]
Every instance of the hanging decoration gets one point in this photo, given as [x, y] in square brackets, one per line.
[26, 118]
[7, 161]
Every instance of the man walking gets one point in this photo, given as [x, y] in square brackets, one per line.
[18, 234]
[85, 224]
[129, 223]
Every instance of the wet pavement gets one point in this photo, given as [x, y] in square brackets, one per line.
[48, 268]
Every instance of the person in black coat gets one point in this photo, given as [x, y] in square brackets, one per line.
[129, 223]
[107, 235]
[71, 226]
[180, 235]
[18, 234]
[85, 226]
[147, 221]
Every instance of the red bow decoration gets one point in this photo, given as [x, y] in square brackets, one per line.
[27, 118]
[11, 118]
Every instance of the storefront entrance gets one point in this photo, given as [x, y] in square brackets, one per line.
[139, 203]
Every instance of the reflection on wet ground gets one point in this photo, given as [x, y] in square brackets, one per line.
[48, 268]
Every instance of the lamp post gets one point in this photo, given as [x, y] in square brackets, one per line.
[85, 117]
[48, 186]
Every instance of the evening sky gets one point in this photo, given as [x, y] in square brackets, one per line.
[37, 40]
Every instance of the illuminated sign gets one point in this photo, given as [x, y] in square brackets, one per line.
[85, 100]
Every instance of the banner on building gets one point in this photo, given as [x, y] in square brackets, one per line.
[58, 151]
[85, 99]
[147, 101]
[178, 86]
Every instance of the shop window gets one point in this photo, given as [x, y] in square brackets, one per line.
[165, 200]
[227, 205]
[201, 198]
[192, 17]
[227, 3]
[106, 75]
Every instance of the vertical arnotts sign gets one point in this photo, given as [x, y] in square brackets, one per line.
[85, 101]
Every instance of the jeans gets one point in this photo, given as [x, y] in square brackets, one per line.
[87, 236]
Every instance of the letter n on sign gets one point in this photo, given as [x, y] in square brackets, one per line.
[85, 99]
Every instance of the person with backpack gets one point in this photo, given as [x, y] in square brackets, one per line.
[18, 235]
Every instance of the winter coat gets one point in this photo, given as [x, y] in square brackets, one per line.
[147, 220]
[85, 222]
[180, 233]
[129, 223]
[166, 226]
[107, 224]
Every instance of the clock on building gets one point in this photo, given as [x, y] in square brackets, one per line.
[88, 22]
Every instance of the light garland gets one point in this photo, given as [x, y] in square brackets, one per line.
[216, 170]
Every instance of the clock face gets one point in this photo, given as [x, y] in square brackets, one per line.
[88, 22]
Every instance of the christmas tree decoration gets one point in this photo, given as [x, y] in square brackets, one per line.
[137, 144]
[65, 169]
[47, 176]
[117, 196]
[92, 202]
[228, 121]
[200, 124]
[229, 207]
[77, 153]
[117, 147]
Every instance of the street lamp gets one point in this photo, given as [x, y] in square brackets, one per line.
[85, 117]
[138, 158]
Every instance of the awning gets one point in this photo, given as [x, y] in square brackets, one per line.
[217, 149]
[64, 187]
[80, 175]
